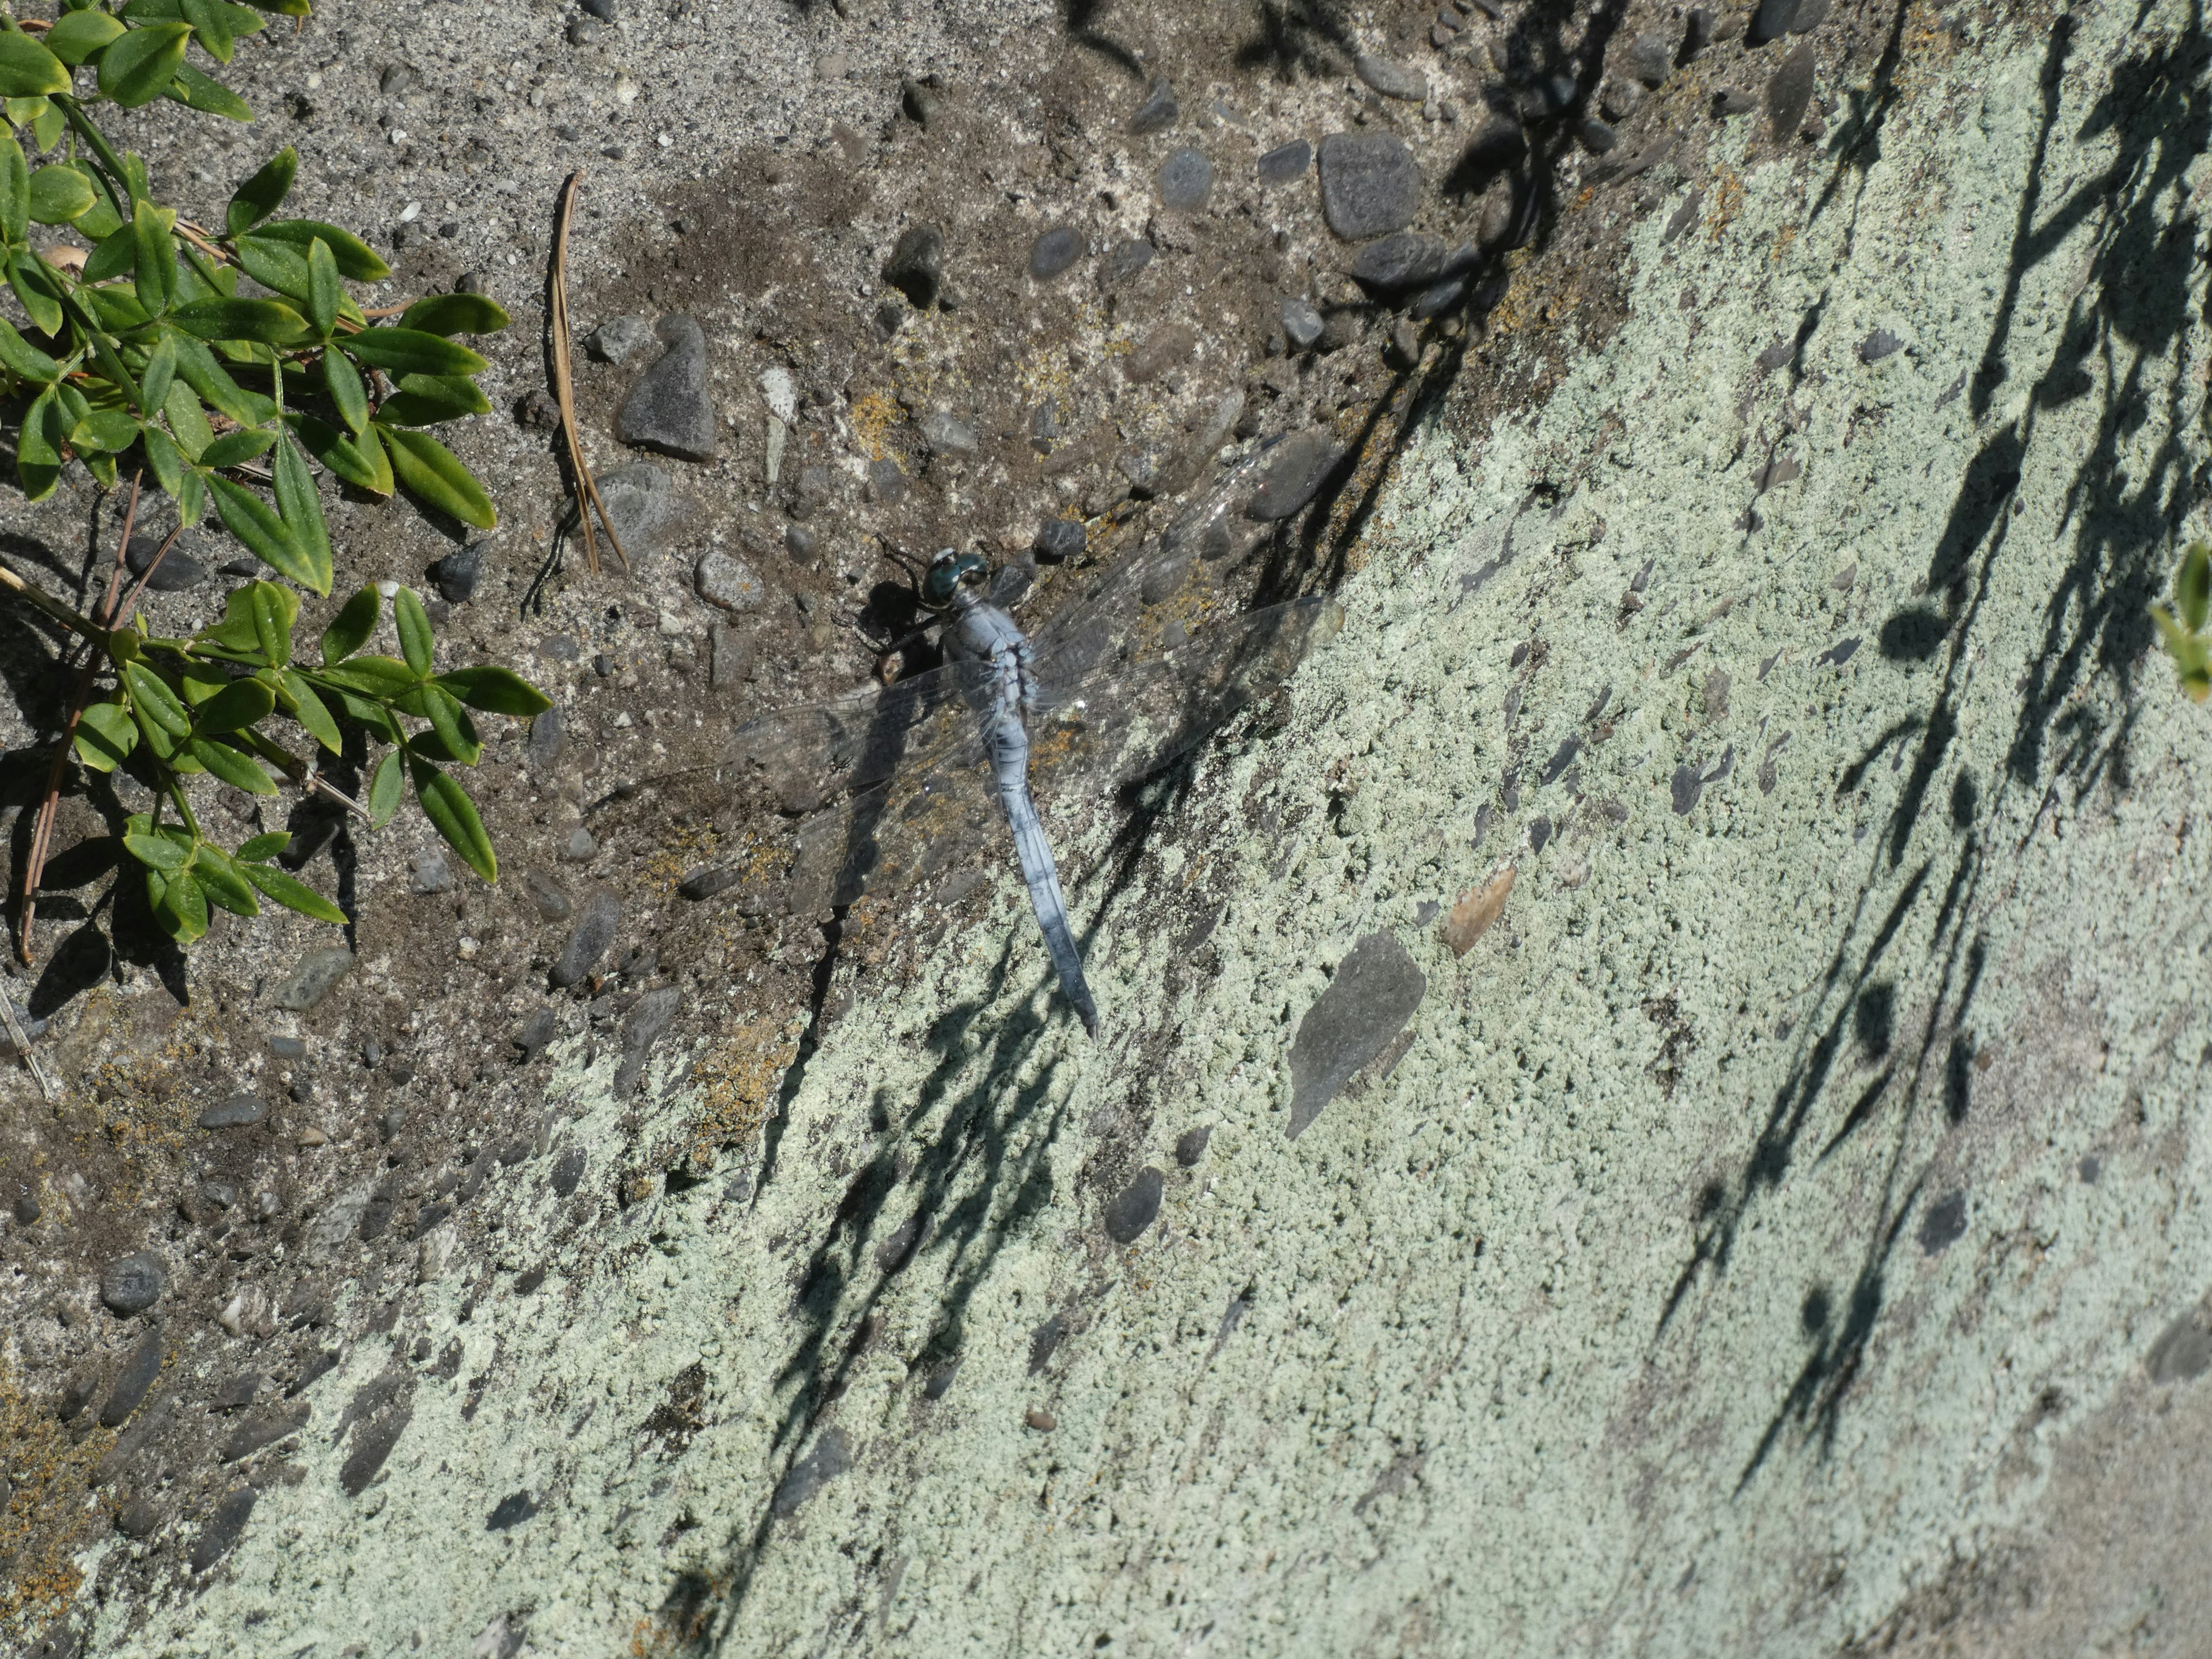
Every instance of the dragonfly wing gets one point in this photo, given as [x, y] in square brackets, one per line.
[906, 830]
[795, 759]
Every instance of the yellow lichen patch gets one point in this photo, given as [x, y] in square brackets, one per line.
[874, 414]
[738, 1079]
[50, 1516]
[1782, 238]
[688, 845]
[1728, 202]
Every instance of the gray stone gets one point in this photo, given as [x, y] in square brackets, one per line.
[1059, 539]
[589, 940]
[1135, 1208]
[1159, 111]
[1392, 78]
[800, 542]
[729, 656]
[1776, 18]
[1129, 260]
[548, 894]
[1438, 298]
[134, 1283]
[178, 570]
[547, 742]
[1190, 1146]
[1406, 259]
[1790, 92]
[1370, 185]
[1186, 180]
[139, 1518]
[567, 1172]
[886, 483]
[584, 32]
[1054, 252]
[1301, 324]
[1597, 137]
[223, 1527]
[830, 1458]
[1292, 476]
[1698, 26]
[1648, 59]
[602, 9]
[238, 1112]
[1621, 99]
[916, 267]
[540, 1029]
[311, 979]
[459, 572]
[1375, 991]
[579, 846]
[669, 408]
[620, 340]
[644, 1027]
[728, 582]
[1285, 162]
[511, 1511]
[431, 875]
[288, 1047]
[141, 1367]
[946, 436]
[1878, 345]
[398, 80]
[643, 505]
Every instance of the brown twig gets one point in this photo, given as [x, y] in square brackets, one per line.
[564, 387]
[42, 828]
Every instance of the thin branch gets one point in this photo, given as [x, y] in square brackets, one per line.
[23, 1048]
[564, 387]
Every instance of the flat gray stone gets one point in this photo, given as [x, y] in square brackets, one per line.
[1392, 78]
[1404, 259]
[1776, 18]
[1281, 165]
[644, 1027]
[1135, 1208]
[1301, 324]
[311, 978]
[589, 940]
[916, 267]
[947, 435]
[620, 340]
[134, 1283]
[431, 875]
[239, 1112]
[1374, 992]
[669, 408]
[642, 504]
[1292, 476]
[1790, 92]
[729, 656]
[1054, 252]
[177, 571]
[1186, 180]
[1648, 59]
[728, 582]
[1157, 112]
[1370, 185]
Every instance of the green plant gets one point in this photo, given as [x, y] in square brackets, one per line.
[2181, 631]
[143, 354]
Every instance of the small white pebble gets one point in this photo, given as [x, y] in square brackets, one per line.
[409, 214]
[466, 950]
[398, 136]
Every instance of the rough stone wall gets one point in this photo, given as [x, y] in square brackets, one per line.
[1767, 1232]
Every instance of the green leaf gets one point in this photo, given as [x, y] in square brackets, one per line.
[156, 262]
[211, 23]
[14, 188]
[33, 286]
[359, 461]
[302, 505]
[374, 676]
[220, 879]
[496, 691]
[265, 322]
[274, 264]
[162, 458]
[274, 609]
[455, 314]
[248, 518]
[106, 735]
[262, 194]
[241, 771]
[59, 196]
[238, 705]
[415, 639]
[192, 499]
[38, 446]
[349, 629]
[48, 125]
[433, 473]
[372, 715]
[28, 69]
[188, 422]
[313, 714]
[427, 399]
[138, 68]
[116, 307]
[117, 253]
[207, 94]
[236, 448]
[292, 895]
[25, 360]
[151, 695]
[104, 431]
[355, 259]
[159, 375]
[200, 370]
[157, 852]
[452, 813]
[184, 906]
[2192, 585]
[264, 847]
[387, 789]
[455, 731]
[103, 221]
[77, 35]
[409, 351]
[325, 295]
[342, 381]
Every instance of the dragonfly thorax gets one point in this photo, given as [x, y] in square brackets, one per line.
[948, 572]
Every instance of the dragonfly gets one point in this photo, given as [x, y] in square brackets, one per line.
[897, 784]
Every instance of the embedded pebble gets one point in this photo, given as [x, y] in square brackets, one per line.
[1776, 18]
[1597, 137]
[1878, 345]
[1471, 918]
[1129, 259]
[1292, 476]
[238, 1112]
[800, 542]
[1054, 252]
[1190, 1146]
[886, 482]
[584, 32]
[1698, 25]
[1621, 99]
[539, 1030]
[641, 504]
[459, 572]
[946, 436]
[647, 1022]
[288, 1047]
[1375, 991]
[140, 1518]
[620, 340]
[27, 1208]
[177, 572]
[1790, 92]
[729, 656]
[1406, 259]
[579, 846]
[1370, 185]
[1301, 324]
[511, 1511]
[830, 1458]
[431, 875]
[1648, 59]
[312, 976]
[916, 267]
[1437, 300]
[1185, 180]
[1158, 111]
[602, 9]
[1158, 352]
[1059, 539]
[141, 1367]
[669, 408]
[1734, 101]
[590, 939]
[728, 582]
[134, 1283]
[223, 1527]
[567, 1172]
[548, 739]
[1135, 1208]
[1040, 1420]
[1391, 78]
[1944, 1225]
[1281, 165]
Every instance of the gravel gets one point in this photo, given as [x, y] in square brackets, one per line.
[1186, 180]
[312, 977]
[1285, 162]
[1392, 78]
[1301, 324]
[589, 941]
[916, 267]
[177, 571]
[1374, 992]
[1157, 112]
[238, 1112]
[643, 505]
[1054, 252]
[1059, 539]
[620, 340]
[459, 572]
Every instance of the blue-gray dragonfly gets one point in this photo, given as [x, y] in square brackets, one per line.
[896, 785]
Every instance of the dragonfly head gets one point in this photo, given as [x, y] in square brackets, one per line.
[947, 574]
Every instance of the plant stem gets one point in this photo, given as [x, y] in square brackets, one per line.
[73, 113]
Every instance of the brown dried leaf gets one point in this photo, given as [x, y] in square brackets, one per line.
[1471, 917]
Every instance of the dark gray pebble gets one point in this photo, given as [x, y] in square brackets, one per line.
[647, 1022]
[140, 1518]
[548, 894]
[1135, 1208]
[459, 572]
[919, 99]
[1497, 143]
[511, 1511]
[590, 939]
[178, 570]
[799, 541]
[312, 977]
[265, 1428]
[224, 1525]
[1683, 216]
[540, 1029]
[1776, 18]
[1559, 93]
[429, 1216]
[375, 1218]
[1281, 165]
[140, 1368]
[1375, 991]
[1790, 92]
[582, 32]
[886, 481]
[27, 1208]
[1392, 78]
[1186, 180]
[1129, 260]
[602, 9]
[567, 1172]
[620, 340]
[940, 1383]
[288, 1047]
[238, 1392]
[237, 1112]
[707, 880]
[1054, 252]
[1878, 345]
[1648, 59]
[643, 505]
[1698, 27]
[1597, 137]
[373, 1443]
[1059, 539]
[1292, 476]
[669, 408]
[1406, 259]
[1540, 834]
[830, 1458]
[1944, 1225]
[1370, 185]
[1840, 653]
[916, 267]
[1734, 101]
[1301, 324]
[1158, 111]
[1190, 1146]
[1438, 298]
[548, 739]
